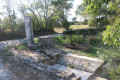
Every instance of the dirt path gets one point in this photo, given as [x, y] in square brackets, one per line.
[5, 73]
[12, 70]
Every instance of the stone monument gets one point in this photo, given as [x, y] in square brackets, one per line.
[29, 29]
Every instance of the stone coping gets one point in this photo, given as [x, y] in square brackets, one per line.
[84, 57]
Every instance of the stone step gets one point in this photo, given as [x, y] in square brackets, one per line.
[81, 62]
[99, 78]
[79, 74]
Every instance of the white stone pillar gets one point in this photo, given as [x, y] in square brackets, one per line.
[29, 29]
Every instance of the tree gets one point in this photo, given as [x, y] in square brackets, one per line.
[112, 35]
[98, 9]
[9, 6]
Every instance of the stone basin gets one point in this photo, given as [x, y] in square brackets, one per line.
[55, 63]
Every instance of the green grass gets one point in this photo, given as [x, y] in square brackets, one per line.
[110, 54]
[97, 45]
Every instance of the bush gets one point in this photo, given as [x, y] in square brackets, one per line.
[59, 40]
[77, 39]
[91, 31]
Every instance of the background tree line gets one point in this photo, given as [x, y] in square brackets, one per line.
[98, 13]
[103, 13]
[46, 14]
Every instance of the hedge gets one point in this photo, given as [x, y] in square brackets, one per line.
[91, 31]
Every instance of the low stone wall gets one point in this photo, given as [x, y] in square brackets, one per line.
[37, 64]
[4, 44]
[80, 62]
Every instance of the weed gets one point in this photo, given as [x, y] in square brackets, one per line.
[36, 40]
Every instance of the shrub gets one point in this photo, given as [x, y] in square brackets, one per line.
[77, 39]
[91, 31]
[36, 40]
[59, 40]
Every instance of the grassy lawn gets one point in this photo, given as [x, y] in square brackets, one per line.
[73, 27]
[112, 52]
[97, 49]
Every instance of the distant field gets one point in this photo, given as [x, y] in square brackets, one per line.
[73, 27]
[59, 30]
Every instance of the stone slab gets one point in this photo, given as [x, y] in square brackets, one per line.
[78, 73]
[81, 62]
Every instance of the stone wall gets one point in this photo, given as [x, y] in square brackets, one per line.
[4, 44]
[80, 62]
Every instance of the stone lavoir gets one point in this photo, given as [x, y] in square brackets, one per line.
[43, 56]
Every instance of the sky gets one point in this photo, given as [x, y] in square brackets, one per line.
[72, 11]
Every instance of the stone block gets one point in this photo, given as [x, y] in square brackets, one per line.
[47, 42]
[81, 62]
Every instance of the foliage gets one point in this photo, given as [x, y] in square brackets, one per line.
[112, 35]
[76, 39]
[36, 40]
[103, 56]
[22, 46]
[91, 31]
[114, 73]
[46, 14]
[59, 40]
[92, 22]
[100, 11]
